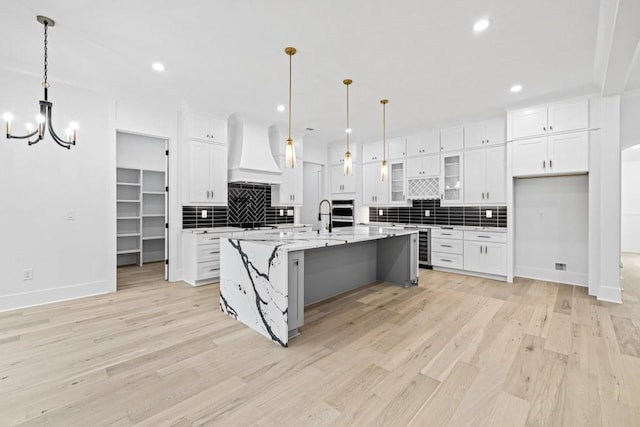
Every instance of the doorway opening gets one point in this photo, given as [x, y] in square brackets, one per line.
[141, 214]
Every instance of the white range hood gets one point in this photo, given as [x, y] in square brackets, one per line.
[250, 157]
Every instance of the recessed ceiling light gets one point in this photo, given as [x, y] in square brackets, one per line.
[157, 66]
[280, 108]
[516, 88]
[481, 25]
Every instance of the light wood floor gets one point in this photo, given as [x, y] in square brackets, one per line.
[454, 351]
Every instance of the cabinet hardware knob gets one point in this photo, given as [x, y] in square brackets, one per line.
[551, 128]
[487, 141]
[544, 128]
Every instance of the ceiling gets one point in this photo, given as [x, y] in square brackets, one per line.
[228, 56]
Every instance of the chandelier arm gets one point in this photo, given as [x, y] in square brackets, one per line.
[55, 137]
[9, 136]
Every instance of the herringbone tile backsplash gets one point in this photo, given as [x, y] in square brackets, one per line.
[249, 205]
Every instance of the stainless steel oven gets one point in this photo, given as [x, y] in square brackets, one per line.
[342, 213]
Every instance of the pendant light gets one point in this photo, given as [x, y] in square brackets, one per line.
[384, 170]
[290, 152]
[44, 118]
[348, 162]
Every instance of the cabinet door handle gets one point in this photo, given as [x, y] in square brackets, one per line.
[544, 164]
[487, 141]
[551, 128]
[445, 246]
[482, 196]
[487, 195]
[480, 248]
[544, 128]
[441, 197]
[486, 249]
[212, 253]
[550, 164]
[445, 260]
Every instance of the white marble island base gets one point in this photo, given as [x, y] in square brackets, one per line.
[266, 280]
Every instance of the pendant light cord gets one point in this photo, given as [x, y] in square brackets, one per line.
[45, 83]
[384, 131]
[290, 96]
[348, 127]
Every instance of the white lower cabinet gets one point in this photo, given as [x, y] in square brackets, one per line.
[201, 261]
[485, 252]
[447, 248]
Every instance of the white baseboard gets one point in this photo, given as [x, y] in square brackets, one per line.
[47, 296]
[568, 277]
[609, 294]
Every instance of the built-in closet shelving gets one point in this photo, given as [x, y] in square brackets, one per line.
[141, 206]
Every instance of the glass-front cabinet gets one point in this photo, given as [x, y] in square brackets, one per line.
[451, 182]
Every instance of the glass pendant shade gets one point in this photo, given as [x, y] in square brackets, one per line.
[290, 154]
[384, 170]
[348, 163]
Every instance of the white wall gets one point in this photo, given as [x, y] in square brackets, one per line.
[630, 236]
[552, 226]
[629, 122]
[41, 183]
[140, 152]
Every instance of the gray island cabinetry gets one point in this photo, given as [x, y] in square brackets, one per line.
[267, 279]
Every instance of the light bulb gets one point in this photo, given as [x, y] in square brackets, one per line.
[481, 25]
[290, 154]
[348, 163]
[516, 88]
[384, 170]
[29, 127]
[73, 125]
[158, 67]
[7, 117]
[40, 118]
[280, 108]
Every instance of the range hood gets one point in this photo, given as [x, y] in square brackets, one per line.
[250, 157]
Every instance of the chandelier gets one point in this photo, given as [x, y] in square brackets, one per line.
[43, 119]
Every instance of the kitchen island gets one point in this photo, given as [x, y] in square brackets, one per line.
[267, 279]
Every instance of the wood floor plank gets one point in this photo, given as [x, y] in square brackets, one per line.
[159, 353]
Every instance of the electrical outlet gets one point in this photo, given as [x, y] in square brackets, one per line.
[289, 212]
[427, 213]
[203, 214]
[27, 274]
[561, 266]
[489, 213]
[380, 212]
[71, 215]
[281, 212]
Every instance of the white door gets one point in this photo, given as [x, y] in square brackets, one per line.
[431, 165]
[569, 153]
[573, 115]
[199, 172]
[397, 182]
[370, 178]
[313, 178]
[337, 175]
[414, 167]
[474, 135]
[452, 139]
[473, 256]
[530, 157]
[529, 122]
[431, 142]
[495, 132]
[372, 152]
[474, 176]
[494, 259]
[451, 179]
[495, 175]
[219, 174]
[397, 148]
[414, 145]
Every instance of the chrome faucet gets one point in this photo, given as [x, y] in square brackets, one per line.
[320, 214]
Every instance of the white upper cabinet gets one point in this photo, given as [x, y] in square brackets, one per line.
[451, 178]
[485, 175]
[546, 119]
[372, 152]
[554, 155]
[423, 143]
[207, 180]
[481, 134]
[423, 166]
[452, 139]
[341, 184]
[206, 128]
[397, 148]
[374, 190]
[338, 151]
[567, 116]
[289, 191]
